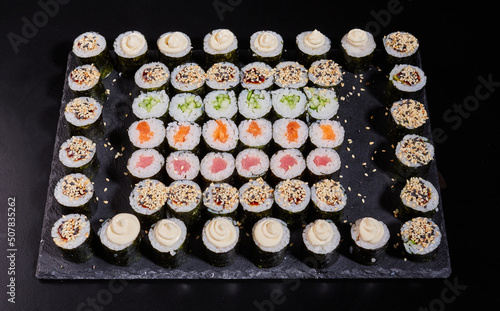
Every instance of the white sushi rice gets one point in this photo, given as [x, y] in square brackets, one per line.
[82, 111]
[214, 110]
[290, 186]
[248, 109]
[161, 76]
[272, 53]
[316, 134]
[250, 140]
[191, 139]
[150, 170]
[262, 69]
[223, 76]
[291, 171]
[117, 45]
[209, 50]
[283, 109]
[280, 133]
[158, 106]
[211, 126]
[358, 51]
[290, 74]
[213, 248]
[407, 158]
[74, 200]
[97, 44]
[230, 203]
[403, 86]
[134, 197]
[178, 115]
[86, 148]
[103, 237]
[187, 156]
[326, 248]
[365, 244]
[185, 207]
[336, 190]
[255, 170]
[310, 51]
[395, 53]
[182, 53]
[285, 238]
[84, 230]
[319, 170]
[171, 249]
[196, 77]
[329, 107]
[207, 162]
[416, 248]
[432, 202]
[91, 79]
[260, 184]
[325, 73]
[156, 133]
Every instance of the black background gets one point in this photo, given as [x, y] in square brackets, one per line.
[459, 50]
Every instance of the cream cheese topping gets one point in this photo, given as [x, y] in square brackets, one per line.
[320, 233]
[266, 42]
[167, 232]
[357, 37]
[371, 230]
[268, 233]
[221, 232]
[174, 42]
[314, 39]
[221, 40]
[133, 43]
[123, 229]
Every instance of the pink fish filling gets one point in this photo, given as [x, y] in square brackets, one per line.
[181, 166]
[322, 160]
[218, 165]
[144, 161]
[287, 162]
[248, 162]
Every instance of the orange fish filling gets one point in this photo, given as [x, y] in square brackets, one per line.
[220, 133]
[254, 129]
[145, 133]
[181, 134]
[328, 133]
[292, 131]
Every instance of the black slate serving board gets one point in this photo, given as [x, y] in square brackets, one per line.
[372, 190]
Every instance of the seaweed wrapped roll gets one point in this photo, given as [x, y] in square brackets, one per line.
[326, 134]
[131, 52]
[220, 45]
[370, 237]
[266, 46]
[147, 133]
[183, 135]
[75, 193]
[257, 76]
[220, 135]
[257, 199]
[401, 47]
[406, 81]
[421, 238]
[85, 80]
[292, 197]
[221, 104]
[182, 165]
[290, 75]
[223, 76]
[84, 117]
[419, 198]
[414, 155]
[321, 240]
[78, 154]
[287, 164]
[168, 242]
[325, 73]
[90, 48]
[322, 104]
[184, 200]
[186, 107]
[271, 237]
[152, 77]
[290, 133]
[221, 199]
[254, 104]
[147, 200]
[152, 104]
[73, 236]
[220, 237]
[358, 47]
[252, 163]
[188, 77]
[175, 48]
[217, 167]
[311, 46]
[329, 199]
[255, 133]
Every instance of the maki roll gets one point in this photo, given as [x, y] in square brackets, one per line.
[75, 194]
[257, 76]
[421, 238]
[254, 104]
[370, 237]
[401, 47]
[72, 234]
[358, 47]
[414, 155]
[329, 199]
[252, 163]
[326, 134]
[255, 133]
[78, 154]
[121, 239]
[90, 48]
[266, 46]
[217, 167]
[321, 240]
[168, 242]
[220, 135]
[419, 198]
[221, 199]
[183, 135]
[256, 198]
[325, 73]
[152, 104]
[221, 104]
[270, 237]
[182, 165]
[152, 77]
[292, 198]
[145, 163]
[290, 75]
[175, 48]
[289, 103]
[322, 104]
[147, 200]
[188, 78]
[323, 163]
[311, 46]
[220, 237]
[84, 117]
[220, 45]
[223, 76]
[147, 133]
[287, 164]
[186, 107]
[408, 116]
[85, 80]
[184, 200]
[406, 81]
[290, 133]
[131, 52]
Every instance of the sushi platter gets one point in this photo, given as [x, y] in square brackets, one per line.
[148, 201]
